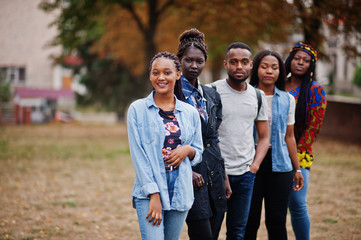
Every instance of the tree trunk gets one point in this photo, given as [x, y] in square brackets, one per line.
[216, 68]
[149, 37]
[150, 51]
[312, 24]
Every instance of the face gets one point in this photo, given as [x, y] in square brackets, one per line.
[268, 71]
[238, 64]
[192, 63]
[164, 75]
[300, 63]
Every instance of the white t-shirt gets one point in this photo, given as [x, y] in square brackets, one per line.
[239, 111]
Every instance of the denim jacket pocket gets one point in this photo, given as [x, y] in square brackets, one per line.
[149, 132]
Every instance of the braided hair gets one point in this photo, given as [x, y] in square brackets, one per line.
[178, 84]
[281, 80]
[309, 77]
[192, 37]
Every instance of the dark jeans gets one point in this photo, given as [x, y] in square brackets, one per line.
[238, 205]
[274, 188]
[204, 229]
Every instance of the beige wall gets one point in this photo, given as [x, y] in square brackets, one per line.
[24, 34]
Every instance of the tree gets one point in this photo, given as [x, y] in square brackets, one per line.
[108, 82]
[148, 26]
[5, 92]
[227, 21]
[341, 16]
[357, 76]
[123, 35]
[222, 22]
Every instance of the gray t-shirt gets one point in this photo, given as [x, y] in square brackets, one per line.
[239, 111]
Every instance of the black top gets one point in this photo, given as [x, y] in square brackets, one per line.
[172, 132]
[212, 166]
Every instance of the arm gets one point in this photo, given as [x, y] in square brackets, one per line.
[262, 147]
[155, 209]
[219, 111]
[177, 155]
[227, 186]
[197, 141]
[141, 161]
[194, 149]
[316, 113]
[143, 169]
[292, 150]
[198, 180]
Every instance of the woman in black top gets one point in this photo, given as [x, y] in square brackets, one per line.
[211, 186]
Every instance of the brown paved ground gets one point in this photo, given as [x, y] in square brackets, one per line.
[74, 181]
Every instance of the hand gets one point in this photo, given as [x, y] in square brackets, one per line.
[155, 210]
[176, 156]
[198, 180]
[254, 167]
[227, 187]
[299, 181]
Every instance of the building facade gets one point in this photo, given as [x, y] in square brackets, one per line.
[27, 59]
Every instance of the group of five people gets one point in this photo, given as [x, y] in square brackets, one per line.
[200, 151]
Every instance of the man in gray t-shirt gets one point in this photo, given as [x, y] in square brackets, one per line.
[239, 116]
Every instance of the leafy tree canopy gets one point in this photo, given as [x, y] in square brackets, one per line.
[123, 35]
[342, 17]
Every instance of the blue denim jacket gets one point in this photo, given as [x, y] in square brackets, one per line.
[281, 161]
[146, 134]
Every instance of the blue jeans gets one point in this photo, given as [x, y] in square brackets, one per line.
[173, 220]
[238, 205]
[298, 208]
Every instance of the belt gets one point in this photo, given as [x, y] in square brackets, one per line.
[170, 168]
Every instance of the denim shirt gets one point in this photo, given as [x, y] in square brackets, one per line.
[194, 96]
[281, 161]
[146, 136]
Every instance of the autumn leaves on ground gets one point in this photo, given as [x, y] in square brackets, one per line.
[74, 181]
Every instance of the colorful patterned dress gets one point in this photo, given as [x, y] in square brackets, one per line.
[315, 113]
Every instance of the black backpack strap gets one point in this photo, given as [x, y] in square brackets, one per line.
[259, 99]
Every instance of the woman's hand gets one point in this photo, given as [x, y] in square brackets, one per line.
[176, 156]
[198, 180]
[299, 181]
[155, 210]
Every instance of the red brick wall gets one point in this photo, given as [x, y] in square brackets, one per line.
[342, 121]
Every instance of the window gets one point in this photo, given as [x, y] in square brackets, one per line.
[13, 74]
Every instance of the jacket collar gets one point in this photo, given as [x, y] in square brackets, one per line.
[150, 102]
[188, 89]
[277, 91]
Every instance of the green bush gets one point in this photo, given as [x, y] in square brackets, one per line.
[5, 93]
[357, 76]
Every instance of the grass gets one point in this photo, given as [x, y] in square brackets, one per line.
[74, 181]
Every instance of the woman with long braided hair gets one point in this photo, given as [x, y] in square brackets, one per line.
[310, 110]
